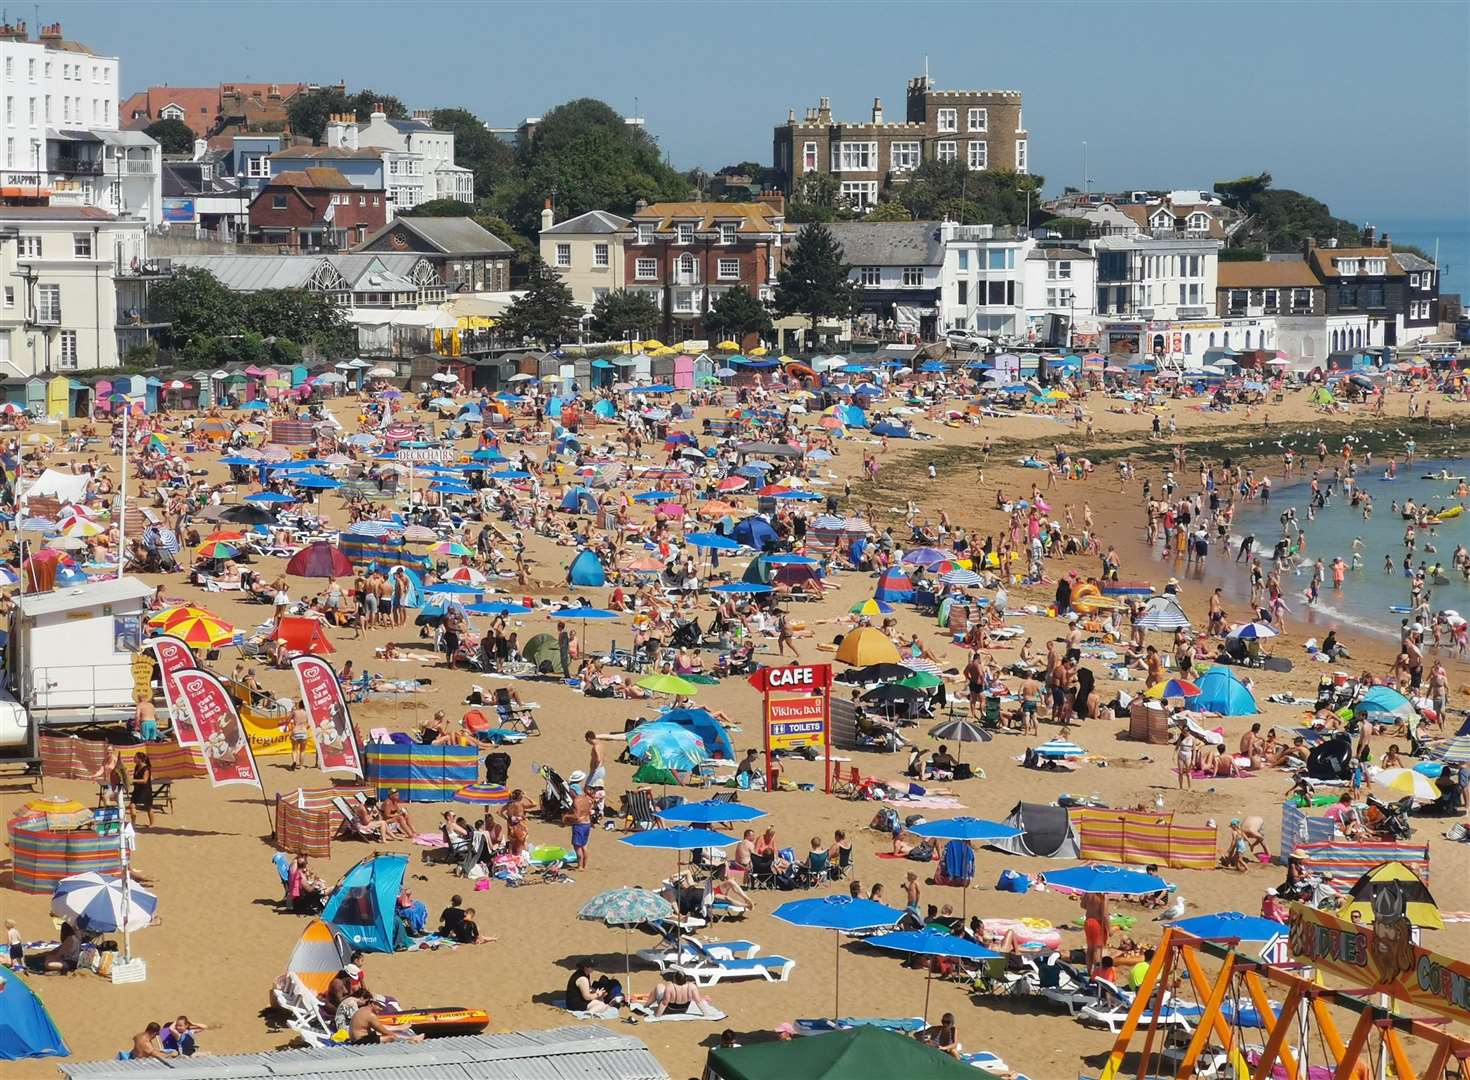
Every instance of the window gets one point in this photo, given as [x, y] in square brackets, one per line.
[1301, 300]
[67, 360]
[48, 303]
[903, 156]
[10, 296]
[979, 120]
[278, 202]
[10, 110]
[1347, 296]
[28, 247]
[854, 157]
[1428, 279]
[1058, 298]
[685, 232]
[870, 277]
[31, 70]
[47, 69]
[48, 108]
[81, 245]
[1059, 270]
[1271, 301]
[729, 269]
[1413, 281]
[948, 120]
[729, 232]
[1373, 296]
[258, 166]
[1239, 298]
[946, 151]
[964, 257]
[646, 269]
[563, 254]
[1375, 266]
[1199, 222]
[1000, 293]
[913, 276]
[860, 193]
[1020, 155]
[1347, 266]
[809, 157]
[10, 67]
[979, 153]
[33, 112]
[599, 255]
[1000, 259]
[645, 234]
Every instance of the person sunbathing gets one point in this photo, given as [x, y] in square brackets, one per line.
[676, 992]
[395, 816]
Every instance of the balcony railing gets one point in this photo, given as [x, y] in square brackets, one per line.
[46, 316]
[135, 167]
[77, 166]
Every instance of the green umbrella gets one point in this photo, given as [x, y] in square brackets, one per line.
[922, 680]
[627, 907]
[669, 684]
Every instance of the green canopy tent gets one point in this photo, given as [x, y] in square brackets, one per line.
[860, 1053]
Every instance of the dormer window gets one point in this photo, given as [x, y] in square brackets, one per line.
[1375, 266]
[1199, 222]
[685, 232]
[727, 232]
[645, 234]
[1347, 266]
[1163, 219]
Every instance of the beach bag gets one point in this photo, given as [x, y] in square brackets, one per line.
[886, 820]
[1013, 881]
[921, 852]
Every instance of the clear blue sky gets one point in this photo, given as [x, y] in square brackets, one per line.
[1361, 104]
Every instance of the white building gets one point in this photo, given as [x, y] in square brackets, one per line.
[59, 136]
[586, 251]
[1060, 293]
[60, 268]
[983, 283]
[420, 160]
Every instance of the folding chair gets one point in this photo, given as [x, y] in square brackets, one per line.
[350, 829]
[638, 809]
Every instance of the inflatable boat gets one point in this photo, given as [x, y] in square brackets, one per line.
[440, 1021]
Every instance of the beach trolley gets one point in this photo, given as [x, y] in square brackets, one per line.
[420, 773]
[51, 839]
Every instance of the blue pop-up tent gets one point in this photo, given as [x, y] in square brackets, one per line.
[894, 586]
[1221, 692]
[704, 724]
[364, 905]
[579, 500]
[26, 1028]
[586, 571]
[754, 532]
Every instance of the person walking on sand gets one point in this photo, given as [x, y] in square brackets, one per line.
[297, 728]
[1184, 756]
[1095, 927]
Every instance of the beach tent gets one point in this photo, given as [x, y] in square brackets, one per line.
[363, 907]
[586, 570]
[579, 500]
[703, 723]
[1391, 886]
[1163, 613]
[417, 772]
[303, 634]
[413, 594]
[26, 1028]
[543, 648]
[894, 586]
[321, 951]
[1045, 831]
[754, 532]
[892, 430]
[759, 572]
[1221, 692]
[867, 645]
[864, 1052]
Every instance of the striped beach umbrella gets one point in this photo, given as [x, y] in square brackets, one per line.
[1455, 751]
[960, 576]
[871, 607]
[1060, 748]
[217, 549]
[1180, 688]
[202, 631]
[483, 795]
[101, 900]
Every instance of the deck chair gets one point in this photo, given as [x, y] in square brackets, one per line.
[849, 786]
[814, 869]
[1113, 1004]
[638, 809]
[673, 947]
[1062, 984]
[840, 869]
[350, 829]
[706, 970]
[303, 1013]
[762, 874]
[991, 717]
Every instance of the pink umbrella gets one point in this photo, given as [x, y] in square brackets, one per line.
[670, 510]
[733, 483]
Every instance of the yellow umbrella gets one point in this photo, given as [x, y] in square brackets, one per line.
[667, 350]
[784, 359]
[653, 343]
[81, 527]
[1058, 395]
[759, 350]
[728, 346]
[867, 645]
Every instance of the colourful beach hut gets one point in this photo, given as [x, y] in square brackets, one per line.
[205, 384]
[51, 839]
[683, 374]
[894, 586]
[58, 396]
[420, 773]
[101, 389]
[1221, 692]
[586, 571]
[138, 391]
[35, 402]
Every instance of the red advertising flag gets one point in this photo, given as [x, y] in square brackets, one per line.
[226, 748]
[174, 656]
[326, 708]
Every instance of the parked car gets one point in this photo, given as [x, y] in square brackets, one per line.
[965, 341]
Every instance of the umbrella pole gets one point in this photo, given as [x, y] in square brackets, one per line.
[928, 982]
[837, 975]
[122, 848]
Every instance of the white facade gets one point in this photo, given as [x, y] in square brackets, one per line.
[983, 281]
[1060, 281]
[58, 288]
[421, 164]
[1156, 279]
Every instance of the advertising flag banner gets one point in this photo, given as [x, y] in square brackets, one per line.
[174, 656]
[331, 723]
[222, 737]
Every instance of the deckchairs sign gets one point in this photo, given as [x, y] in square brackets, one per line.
[1383, 958]
[174, 656]
[326, 708]
[227, 754]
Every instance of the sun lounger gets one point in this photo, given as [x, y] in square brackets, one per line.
[706, 970]
[1062, 984]
[303, 1011]
[1114, 1004]
[663, 955]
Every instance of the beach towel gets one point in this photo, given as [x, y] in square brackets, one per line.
[710, 1013]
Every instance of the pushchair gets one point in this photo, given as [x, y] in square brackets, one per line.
[556, 797]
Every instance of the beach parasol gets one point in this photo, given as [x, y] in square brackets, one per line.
[483, 795]
[1455, 750]
[668, 746]
[1112, 880]
[959, 730]
[960, 576]
[1060, 748]
[1230, 926]
[94, 902]
[840, 914]
[451, 548]
[710, 812]
[668, 684]
[1180, 688]
[200, 629]
[1252, 631]
[1408, 782]
[627, 908]
[217, 549]
[867, 646]
[871, 607]
[932, 943]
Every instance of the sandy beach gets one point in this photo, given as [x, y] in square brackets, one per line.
[221, 938]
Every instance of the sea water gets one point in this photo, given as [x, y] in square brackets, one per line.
[1369, 594]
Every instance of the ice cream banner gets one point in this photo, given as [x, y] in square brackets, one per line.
[331, 723]
[222, 737]
[174, 656]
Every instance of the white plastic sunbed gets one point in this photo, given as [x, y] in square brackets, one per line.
[708, 970]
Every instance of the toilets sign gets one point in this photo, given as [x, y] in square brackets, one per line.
[797, 711]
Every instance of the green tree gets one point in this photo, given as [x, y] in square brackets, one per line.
[299, 315]
[937, 190]
[545, 312]
[307, 114]
[195, 305]
[1242, 192]
[589, 159]
[172, 136]
[814, 281]
[814, 198]
[365, 102]
[889, 211]
[737, 313]
[621, 312]
[491, 159]
[440, 208]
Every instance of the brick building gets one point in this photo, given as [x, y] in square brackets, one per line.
[316, 210]
[982, 128]
[685, 255]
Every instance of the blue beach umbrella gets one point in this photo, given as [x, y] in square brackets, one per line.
[237, 460]
[714, 541]
[99, 900]
[655, 496]
[269, 497]
[453, 588]
[742, 587]
[682, 839]
[497, 607]
[709, 812]
[1231, 924]
[932, 943]
[1114, 880]
[966, 828]
[584, 613]
[840, 914]
[314, 482]
[786, 559]
[510, 474]
[669, 746]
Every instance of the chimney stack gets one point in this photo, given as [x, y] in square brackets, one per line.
[877, 111]
[641, 204]
[775, 200]
[548, 216]
[1385, 242]
[824, 110]
[49, 33]
[1368, 232]
[1309, 245]
[201, 147]
[791, 116]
